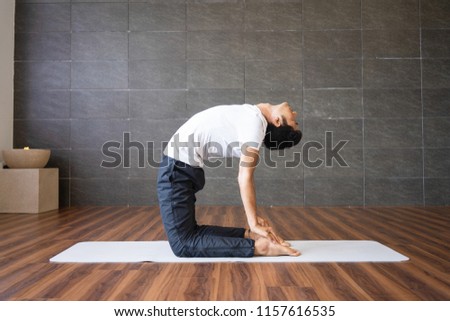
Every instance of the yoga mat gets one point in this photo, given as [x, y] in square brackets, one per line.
[159, 251]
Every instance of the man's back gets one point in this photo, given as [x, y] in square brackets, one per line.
[218, 132]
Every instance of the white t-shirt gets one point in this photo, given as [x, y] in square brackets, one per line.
[217, 132]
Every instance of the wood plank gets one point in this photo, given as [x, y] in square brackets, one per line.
[376, 283]
[28, 241]
[292, 293]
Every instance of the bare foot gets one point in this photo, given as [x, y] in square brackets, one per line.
[251, 235]
[264, 247]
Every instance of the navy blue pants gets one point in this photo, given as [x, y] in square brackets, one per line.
[177, 184]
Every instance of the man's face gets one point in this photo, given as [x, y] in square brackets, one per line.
[289, 115]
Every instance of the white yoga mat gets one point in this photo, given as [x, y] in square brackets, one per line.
[159, 251]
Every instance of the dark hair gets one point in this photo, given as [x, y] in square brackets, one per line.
[281, 137]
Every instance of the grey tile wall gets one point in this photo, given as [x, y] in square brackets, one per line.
[375, 74]
[435, 22]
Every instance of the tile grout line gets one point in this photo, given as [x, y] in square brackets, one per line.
[421, 100]
[186, 58]
[364, 203]
[303, 95]
[245, 51]
[70, 109]
[129, 97]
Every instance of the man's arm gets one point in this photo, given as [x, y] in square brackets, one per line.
[247, 166]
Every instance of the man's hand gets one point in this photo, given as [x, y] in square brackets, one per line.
[263, 228]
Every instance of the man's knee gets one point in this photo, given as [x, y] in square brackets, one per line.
[180, 249]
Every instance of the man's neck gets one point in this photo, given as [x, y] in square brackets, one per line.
[266, 110]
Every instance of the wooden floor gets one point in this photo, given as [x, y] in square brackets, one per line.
[27, 242]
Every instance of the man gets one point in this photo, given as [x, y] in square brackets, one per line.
[226, 131]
